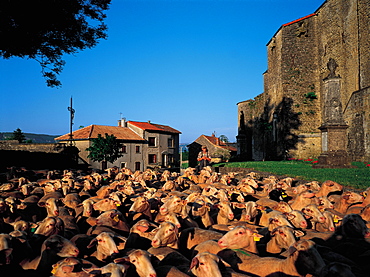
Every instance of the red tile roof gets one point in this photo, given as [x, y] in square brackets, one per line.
[92, 131]
[216, 141]
[297, 20]
[154, 127]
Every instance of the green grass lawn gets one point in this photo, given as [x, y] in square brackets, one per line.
[358, 177]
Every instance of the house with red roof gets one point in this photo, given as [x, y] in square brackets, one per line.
[143, 144]
[218, 149]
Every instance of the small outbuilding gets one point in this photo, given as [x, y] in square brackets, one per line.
[218, 149]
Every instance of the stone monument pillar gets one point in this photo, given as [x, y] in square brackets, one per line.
[334, 129]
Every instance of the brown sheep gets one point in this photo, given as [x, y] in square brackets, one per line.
[303, 259]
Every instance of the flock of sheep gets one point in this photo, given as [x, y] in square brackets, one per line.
[123, 223]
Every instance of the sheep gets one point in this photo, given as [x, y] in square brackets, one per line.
[303, 259]
[72, 267]
[106, 246]
[201, 209]
[303, 199]
[53, 249]
[141, 259]
[210, 265]
[141, 235]
[240, 237]
[111, 269]
[182, 204]
[167, 234]
[328, 187]
[193, 236]
[282, 238]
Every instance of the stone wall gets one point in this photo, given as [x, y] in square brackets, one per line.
[32, 147]
[37, 156]
[283, 121]
[357, 114]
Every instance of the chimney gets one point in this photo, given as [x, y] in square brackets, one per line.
[149, 121]
[122, 122]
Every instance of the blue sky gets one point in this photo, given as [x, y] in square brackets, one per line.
[182, 63]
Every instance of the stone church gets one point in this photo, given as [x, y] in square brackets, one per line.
[287, 119]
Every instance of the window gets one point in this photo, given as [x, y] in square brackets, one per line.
[123, 165]
[137, 165]
[170, 142]
[151, 141]
[152, 158]
[124, 149]
[137, 149]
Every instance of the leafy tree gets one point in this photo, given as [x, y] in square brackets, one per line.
[224, 154]
[185, 155]
[18, 135]
[45, 30]
[224, 138]
[104, 149]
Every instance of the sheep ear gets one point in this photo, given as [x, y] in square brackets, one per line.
[238, 205]
[142, 228]
[290, 216]
[92, 243]
[298, 233]
[257, 236]
[91, 221]
[121, 243]
[153, 225]
[41, 204]
[67, 268]
[194, 262]
[94, 271]
[121, 238]
[273, 232]
[224, 263]
[291, 250]
[33, 225]
[125, 261]
[164, 200]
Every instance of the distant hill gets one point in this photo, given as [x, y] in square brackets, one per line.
[36, 138]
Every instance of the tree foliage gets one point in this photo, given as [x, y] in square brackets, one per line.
[18, 135]
[185, 155]
[104, 149]
[222, 153]
[224, 138]
[45, 30]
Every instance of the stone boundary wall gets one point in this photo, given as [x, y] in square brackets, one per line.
[32, 147]
[243, 172]
[37, 155]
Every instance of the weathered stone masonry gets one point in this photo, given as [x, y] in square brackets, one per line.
[37, 155]
[283, 121]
